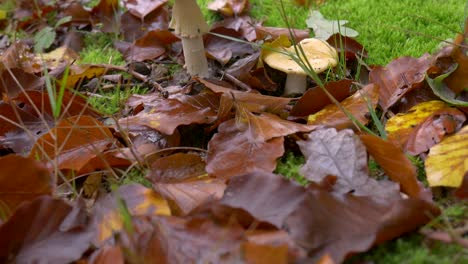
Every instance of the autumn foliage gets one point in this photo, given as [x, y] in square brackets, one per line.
[208, 147]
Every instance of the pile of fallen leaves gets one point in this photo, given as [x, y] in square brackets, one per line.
[209, 147]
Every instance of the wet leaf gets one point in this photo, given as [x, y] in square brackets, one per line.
[106, 12]
[342, 154]
[39, 232]
[446, 164]
[357, 105]
[275, 32]
[351, 48]
[398, 78]
[21, 180]
[14, 81]
[150, 46]
[457, 81]
[133, 28]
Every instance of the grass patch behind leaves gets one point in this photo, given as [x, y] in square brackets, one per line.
[98, 49]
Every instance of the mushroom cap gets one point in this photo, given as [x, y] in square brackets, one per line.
[187, 19]
[319, 53]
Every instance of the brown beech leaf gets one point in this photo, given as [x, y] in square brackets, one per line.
[351, 48]
[73, 142]
[45, 230]
[399, 77]
[342, 154]
[236, 150]
[72, 104]
[338, 225]
[275, 32]
[107, 255]
[14, 81]
[150, 46]
[180, 178]
[357, 105]
[185, 240]
[458, 80]
[396, 165]
[141, 8]
[462, 191]
[106, 12]
[22, 179]
[266, 196]
[229, 7]
[165, 115]
[133, 28]
[313, 100]
[254, 102]
[139, 200]
[242, 24]
[434, 129]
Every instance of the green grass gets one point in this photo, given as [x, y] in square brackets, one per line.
[98, 49]
[387, 29]
[112, 101]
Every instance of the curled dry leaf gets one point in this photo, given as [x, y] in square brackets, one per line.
[399, 77]
[446, 164]
[45, 230]
[342, 154]
[358, 105]
[21, 180]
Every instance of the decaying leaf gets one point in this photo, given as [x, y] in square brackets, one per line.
[441, 89]
[447, 162]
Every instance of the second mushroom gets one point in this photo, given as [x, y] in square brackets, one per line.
[320, 55]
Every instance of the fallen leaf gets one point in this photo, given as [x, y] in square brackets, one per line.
[457, 81]
[446, 163]
[141, 8]
[234, 150]
[357, 104]
[443, 91]
[229, 7]
[324, 28]
[37, 233]
[73, 142]
[398, 78]
[165, 115]
[400, 126]
[351, 49]
[396, 165]
[21, 180]
[342, 154]
[139, 200]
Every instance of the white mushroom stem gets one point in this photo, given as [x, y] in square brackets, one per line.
[189, 24]
[194, 55]
[295, 84]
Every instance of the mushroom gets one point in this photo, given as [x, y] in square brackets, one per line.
[320, 55]
[188, 22]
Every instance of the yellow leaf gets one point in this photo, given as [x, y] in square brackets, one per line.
[400, 126]
[447, 161]
[3, 14]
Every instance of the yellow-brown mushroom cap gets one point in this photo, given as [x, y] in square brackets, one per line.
[319, 53]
